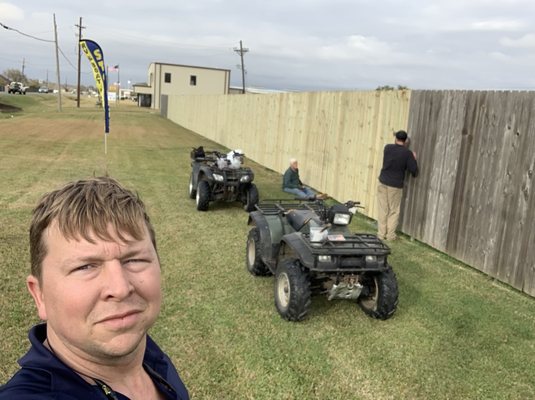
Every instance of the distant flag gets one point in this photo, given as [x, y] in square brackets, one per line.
[114, 68]
[96, 58]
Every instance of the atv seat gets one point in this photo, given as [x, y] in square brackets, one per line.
[299, 218]
[197, 153]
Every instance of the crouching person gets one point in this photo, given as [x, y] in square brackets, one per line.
[95, 280]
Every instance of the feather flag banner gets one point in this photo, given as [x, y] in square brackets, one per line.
[96, 58]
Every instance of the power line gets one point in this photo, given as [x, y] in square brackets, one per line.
[25, 34]
[65, 57]
[42, 40]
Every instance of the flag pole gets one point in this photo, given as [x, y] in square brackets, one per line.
[100, 71]
[107, 88]
[118, 83]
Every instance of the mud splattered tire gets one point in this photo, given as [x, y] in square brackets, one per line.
[253, 254]
[379, 298]
[251, 198]
[192, 192]
[292, 290]
[202, 197]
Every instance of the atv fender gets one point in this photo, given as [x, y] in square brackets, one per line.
[293, 243]
[206, 171]
[196, 174]
[258, 219]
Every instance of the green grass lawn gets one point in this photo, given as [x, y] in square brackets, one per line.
[456, 334]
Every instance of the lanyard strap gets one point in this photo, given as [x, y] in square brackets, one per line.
[108, 391]
[110, 394]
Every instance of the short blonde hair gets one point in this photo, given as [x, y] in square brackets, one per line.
[86, 207]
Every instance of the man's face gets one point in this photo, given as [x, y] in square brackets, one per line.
[98, 299]
[294, 165]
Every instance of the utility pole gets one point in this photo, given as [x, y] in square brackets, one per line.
[80, 27]
[22, 67]
[241, 52]
[57, 62]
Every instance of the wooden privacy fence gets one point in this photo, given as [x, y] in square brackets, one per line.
[337, 137]
[473, 198]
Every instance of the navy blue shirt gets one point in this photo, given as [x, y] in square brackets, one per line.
[44, 376]
[396, 160]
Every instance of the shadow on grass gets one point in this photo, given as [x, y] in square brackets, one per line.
[6, 108]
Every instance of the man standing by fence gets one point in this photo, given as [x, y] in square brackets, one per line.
[397, 159]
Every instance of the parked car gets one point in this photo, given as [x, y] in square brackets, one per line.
[43, 89]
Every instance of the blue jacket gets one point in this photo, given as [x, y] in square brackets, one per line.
[44, 376]
[396, 160]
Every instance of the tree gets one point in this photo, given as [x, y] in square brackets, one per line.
[33, 85]
[385, 87]
[14, 75]
[388, 87]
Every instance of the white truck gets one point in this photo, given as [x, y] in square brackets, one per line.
[17, 87]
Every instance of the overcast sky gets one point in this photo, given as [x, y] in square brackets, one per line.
[293, 44]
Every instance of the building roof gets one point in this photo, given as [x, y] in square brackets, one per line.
[256, 90]
[190, 66]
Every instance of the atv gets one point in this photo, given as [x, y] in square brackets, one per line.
[310, 250]
[219, 177]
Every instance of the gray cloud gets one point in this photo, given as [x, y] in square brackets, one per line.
[298, 45]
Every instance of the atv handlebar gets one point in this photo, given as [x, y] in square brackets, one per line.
[348, 204]
[351, 204]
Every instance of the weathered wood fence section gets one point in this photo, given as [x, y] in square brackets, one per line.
[338, 137]
[474, 198]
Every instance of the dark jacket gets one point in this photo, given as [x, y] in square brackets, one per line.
[291, 179]
[397, 159]
[43, 376]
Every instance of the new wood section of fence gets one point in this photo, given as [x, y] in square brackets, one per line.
[337, 137]
[476, 151]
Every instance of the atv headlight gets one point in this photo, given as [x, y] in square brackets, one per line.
[245, 178]
[338, 214]
[219, 178]
[341, 219]
[371, 259]
[325, 259]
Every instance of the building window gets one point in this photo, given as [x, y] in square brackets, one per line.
[167, 77]
[193, 80]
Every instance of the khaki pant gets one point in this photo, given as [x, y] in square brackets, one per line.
[389, 203]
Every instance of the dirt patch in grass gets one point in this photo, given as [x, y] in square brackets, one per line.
[5, 108]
